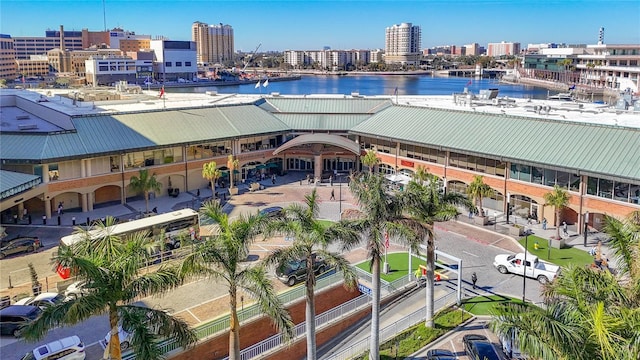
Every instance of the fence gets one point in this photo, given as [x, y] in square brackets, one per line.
[222, 324]
[394, 329]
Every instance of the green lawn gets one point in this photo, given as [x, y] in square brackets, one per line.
[562, 257]
[483, 305]
[399, 263]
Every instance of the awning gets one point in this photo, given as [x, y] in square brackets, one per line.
[273, 165]
[261, 166]
[398, 178]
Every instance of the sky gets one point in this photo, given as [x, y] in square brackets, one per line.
[347, 24]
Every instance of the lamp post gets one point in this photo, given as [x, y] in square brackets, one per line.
[508, 206]
[524, 274]
[340, 202]
[586, 227]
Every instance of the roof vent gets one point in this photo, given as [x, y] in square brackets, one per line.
[355, 94]
[22, 117]
[27, 126]
[274, 94]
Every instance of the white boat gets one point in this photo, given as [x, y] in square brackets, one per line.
[561, 97]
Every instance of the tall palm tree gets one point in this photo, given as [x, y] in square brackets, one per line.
[311, 239]
[590, 314]
[478, 190]
[427, 204]
[559, 199]
[110, 266]
[145, 183]
[222, 257]
[381, 213]
[210, 172]
[370, 160]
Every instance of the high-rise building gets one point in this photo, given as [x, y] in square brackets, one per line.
[214, 43]
[503, 48]
[402, 44]
[7, 58]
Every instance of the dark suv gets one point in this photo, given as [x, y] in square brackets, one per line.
[292, 271]
[13, 318]
[19, 245]
[478, 347]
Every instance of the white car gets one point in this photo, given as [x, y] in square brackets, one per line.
[69, 348]
[76, 289]
[125, 338]
[42, 300]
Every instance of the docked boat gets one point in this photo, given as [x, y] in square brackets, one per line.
[561, 97]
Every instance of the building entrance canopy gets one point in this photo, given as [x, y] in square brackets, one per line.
[334, 140]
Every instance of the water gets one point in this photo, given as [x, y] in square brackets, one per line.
[377, 85]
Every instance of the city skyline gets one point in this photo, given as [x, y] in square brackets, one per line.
[301, 25]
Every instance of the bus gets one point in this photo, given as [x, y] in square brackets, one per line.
[173, 226]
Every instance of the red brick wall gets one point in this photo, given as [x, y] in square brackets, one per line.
[260, 329]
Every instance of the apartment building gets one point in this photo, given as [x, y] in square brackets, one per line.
[214, 43]
[402, 44]
[7, 58]
[503, 48]
[610, 66]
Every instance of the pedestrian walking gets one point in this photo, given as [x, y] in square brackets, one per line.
[474, 279]
[544, 224]
[564, 228]
[60, 208]
[273, 179]
[333, 195]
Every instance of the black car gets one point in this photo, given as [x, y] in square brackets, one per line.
[13, 318]
[292, 271]
[478, 347]
[19, 245]
[273, 211]
[440, 354]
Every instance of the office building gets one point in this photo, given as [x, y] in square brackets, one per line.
[503, 49]
[7, 58]
[128, 40]
[72, 40]
[35, 66]
[214, 43]
[175, 60]
[402, 44]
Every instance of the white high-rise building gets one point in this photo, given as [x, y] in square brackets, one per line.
[402, 44]
[214, 43]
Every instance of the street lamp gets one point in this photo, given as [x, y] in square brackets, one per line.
[508, 206]
[586, 227]
[524, 275]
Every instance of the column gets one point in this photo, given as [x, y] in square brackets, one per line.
[20, 210]
[45, 173]
[83, 168]
[317, 163]
[83, 199]
[90, 201]
[47, 208]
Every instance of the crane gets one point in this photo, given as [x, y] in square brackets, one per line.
[250, 56]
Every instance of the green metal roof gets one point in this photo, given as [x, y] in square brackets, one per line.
[347, 105]
[14, 183]
[590, 148]
[321, 121]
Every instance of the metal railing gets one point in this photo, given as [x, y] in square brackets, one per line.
[394, 329]
[222, 324]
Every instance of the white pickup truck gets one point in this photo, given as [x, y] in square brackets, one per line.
[544, 272]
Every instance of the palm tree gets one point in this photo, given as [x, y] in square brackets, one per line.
[478, 190]
[590, 314]
[559, 199]
[110, 266]
[370, 160]
[312, 238]
[145, 183]
[232, 164]
[427, 204]
[381, 215]
[210, 172]
[221, 257]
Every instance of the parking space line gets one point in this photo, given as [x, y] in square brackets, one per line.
[470, 254]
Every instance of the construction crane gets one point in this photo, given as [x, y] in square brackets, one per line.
[246, 63]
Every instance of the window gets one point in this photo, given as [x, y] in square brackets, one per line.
[178, 63]
[187, 63]
[167, 64]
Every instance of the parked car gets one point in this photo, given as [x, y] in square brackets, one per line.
[273, 211]
[290, 272]
[123, 335]
[440, 354]
[14, 317]
[76, 290]
[543, 271]
[42, 300]
[478, 347]
[19, 245]
[69, 348]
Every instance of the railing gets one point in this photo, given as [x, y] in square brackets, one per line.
[392, 330]
[277, 340]
[222, 324]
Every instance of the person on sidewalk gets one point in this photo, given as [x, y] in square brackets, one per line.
[333, 195]
[544, 223]
[474, 279]
[565, 229]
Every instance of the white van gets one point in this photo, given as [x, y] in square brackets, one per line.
[70, 348]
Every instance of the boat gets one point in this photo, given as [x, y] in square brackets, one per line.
[561, 97]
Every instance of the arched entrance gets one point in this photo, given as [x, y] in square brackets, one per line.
[70, 201]
[525, 207]
[107, 195]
